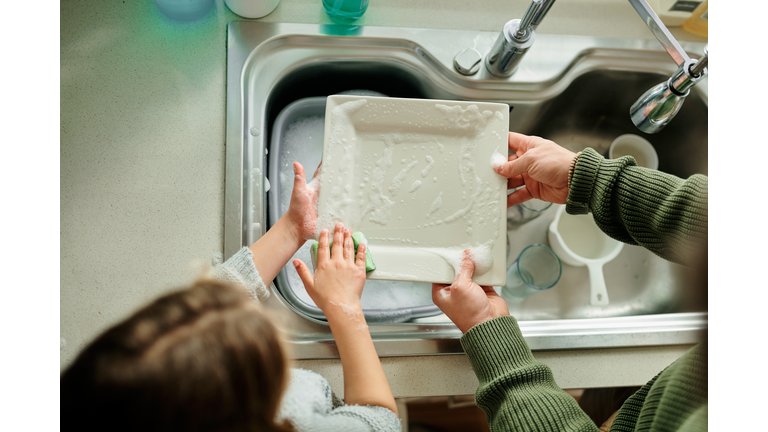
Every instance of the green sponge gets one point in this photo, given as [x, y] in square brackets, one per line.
[357, 238]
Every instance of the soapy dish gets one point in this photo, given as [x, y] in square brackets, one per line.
[416, 177]
[298, 136]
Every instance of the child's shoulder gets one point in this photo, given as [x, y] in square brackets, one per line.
[310, 405]
[307, 388]
[305, 377]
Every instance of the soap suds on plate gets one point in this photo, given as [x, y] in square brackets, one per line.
[415, 186]
[458, 200]
[497, 159]
[398, 180]
[436, 204]
[481, 255]
[430, 164]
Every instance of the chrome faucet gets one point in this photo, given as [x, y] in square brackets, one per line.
[515, 40]
[659, 105]
[654, 109]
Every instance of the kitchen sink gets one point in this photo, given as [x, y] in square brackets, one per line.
[573, 90]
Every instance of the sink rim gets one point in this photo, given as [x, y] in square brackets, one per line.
[311, 337]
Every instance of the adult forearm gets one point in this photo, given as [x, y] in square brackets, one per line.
[516, 391]
[364, 379]
[649, 208]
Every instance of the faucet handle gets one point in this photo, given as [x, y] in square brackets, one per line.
[539, 16]
[515, 39]
[526, 22]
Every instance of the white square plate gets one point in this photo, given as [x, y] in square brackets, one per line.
[416, 177]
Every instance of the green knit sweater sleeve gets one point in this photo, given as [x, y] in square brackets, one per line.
[640, 206]
[673, 401]
[516, 392]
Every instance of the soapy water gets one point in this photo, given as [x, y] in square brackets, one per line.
[303, 143]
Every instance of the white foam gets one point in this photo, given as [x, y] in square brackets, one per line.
[398, 180]
[352, 313]
[341, 137]
[497, 159]
[303, 143]
[436, 204]
[481, 255]
[430, 164]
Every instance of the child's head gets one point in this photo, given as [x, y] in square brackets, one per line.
[205, 358]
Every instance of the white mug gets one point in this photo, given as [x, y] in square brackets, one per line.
[637, 147]
[252, 8]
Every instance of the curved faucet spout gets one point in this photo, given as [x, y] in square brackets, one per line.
[659, 105]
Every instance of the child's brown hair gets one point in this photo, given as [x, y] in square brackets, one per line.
[202, 359]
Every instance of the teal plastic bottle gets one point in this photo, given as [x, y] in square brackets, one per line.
[345, 11]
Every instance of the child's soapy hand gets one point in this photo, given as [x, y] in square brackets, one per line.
[465, 302]
[302, 213]
[336, 288]
[340, 273]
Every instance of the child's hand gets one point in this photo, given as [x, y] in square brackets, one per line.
[340, 274]
[336, 288]
[302, 213]
[467, 303]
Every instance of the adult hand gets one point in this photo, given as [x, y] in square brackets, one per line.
[465, 302]
[340, 273]
[302, 212]
[538, 164]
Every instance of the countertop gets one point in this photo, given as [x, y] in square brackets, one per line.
[142, 165]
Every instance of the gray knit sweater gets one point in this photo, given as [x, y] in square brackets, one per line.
[308, 402]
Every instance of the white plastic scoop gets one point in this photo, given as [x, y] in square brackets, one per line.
[578, 241]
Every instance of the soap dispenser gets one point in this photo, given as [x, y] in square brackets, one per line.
[698, 23]
[673, 13]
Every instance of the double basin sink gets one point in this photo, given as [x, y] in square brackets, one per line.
[575, 91]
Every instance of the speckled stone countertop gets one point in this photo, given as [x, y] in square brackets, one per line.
[142, 165]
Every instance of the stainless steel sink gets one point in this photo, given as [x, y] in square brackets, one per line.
[574, 90]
